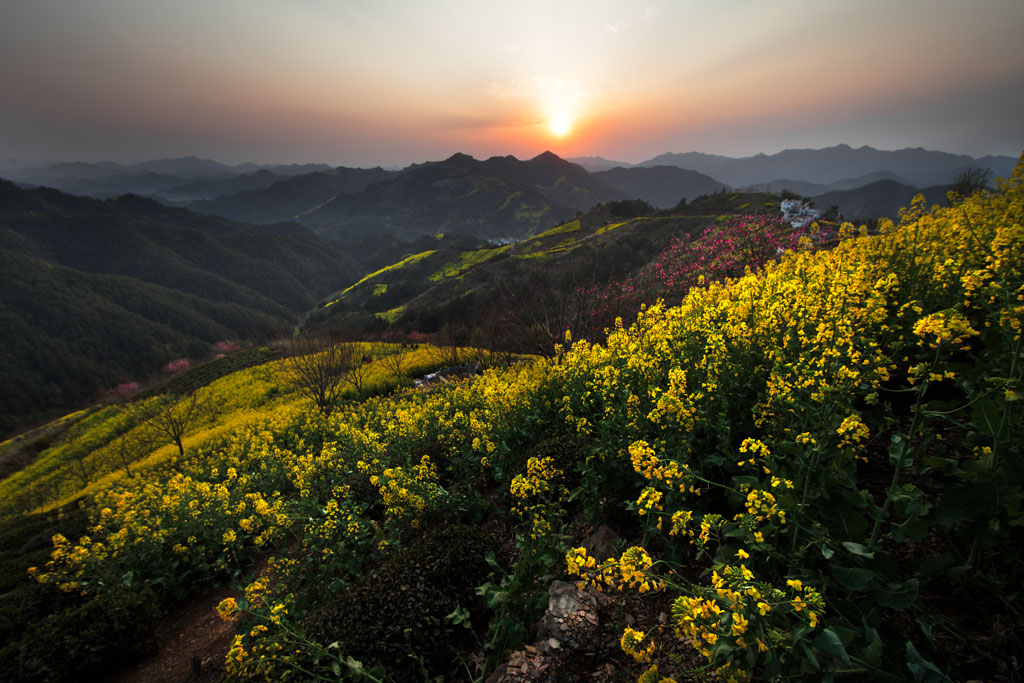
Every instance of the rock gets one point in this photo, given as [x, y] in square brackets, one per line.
[570, 620]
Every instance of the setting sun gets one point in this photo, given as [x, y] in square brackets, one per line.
[560, 124]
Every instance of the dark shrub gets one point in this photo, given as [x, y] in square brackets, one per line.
[396, 616]
[83, 642]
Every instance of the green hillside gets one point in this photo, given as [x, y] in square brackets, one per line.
[98, 292]
[444, 285]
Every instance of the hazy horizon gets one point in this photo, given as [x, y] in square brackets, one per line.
[272, 162]
[392, 83]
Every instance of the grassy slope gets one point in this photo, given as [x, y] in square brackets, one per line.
[84, 458]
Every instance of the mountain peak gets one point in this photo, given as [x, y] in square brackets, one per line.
[548, 156]
[460, 157]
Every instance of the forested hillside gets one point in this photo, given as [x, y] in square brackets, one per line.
[523, 296]
[98, 292]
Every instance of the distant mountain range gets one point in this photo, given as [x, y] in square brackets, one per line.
[95, 292]
[500, 197]
[172, 179]
[288, 198]
[915, 166]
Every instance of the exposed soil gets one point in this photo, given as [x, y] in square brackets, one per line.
[193, 641]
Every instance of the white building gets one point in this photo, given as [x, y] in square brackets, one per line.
[798, 213]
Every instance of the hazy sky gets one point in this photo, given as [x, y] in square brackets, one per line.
[366, 82]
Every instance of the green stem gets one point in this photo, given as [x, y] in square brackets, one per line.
[803, 496]
[906, 450]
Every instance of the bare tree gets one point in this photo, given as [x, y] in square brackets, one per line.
[394, 360]
[127, 447]
[969, 182]
[491, 335]
[451, 338]
[541, 305]
[319, 370]
[169, 417]
[83, 473]
[359, 369]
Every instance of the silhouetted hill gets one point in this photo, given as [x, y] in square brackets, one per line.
[159, 177]
[800, 187]
[212, 188]
[286, 199]
[831, 164]
[659, 186]
[867, 179]
[185, 167]
[111, 185]
[561, 181]
[146, 280]
[598, 163]
[501, 197]
[880, 199]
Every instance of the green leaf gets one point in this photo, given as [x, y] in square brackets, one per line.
[901, 596]
[937, 462]
[923, 670]
[459, 615]
[898, 449]
[493, 562]
[336, 668]
[857, 549]
[497, 598]
[854, 578]
[827, 552]
[874, 650]
[915, 529]
[714, 459]
[926, 628]
[810, 656]
[829, 643]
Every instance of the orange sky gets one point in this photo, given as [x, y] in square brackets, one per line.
[366, 82]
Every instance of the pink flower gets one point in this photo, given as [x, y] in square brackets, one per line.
[177, 365]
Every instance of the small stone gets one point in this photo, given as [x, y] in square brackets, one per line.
[553, 643]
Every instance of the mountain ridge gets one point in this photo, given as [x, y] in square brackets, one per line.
[500, 197]
[829, 164]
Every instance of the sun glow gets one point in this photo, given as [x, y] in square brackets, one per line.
[560, 123]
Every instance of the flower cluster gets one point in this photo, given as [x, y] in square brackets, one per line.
[630, 570]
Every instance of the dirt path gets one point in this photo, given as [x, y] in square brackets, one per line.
[193, 642]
